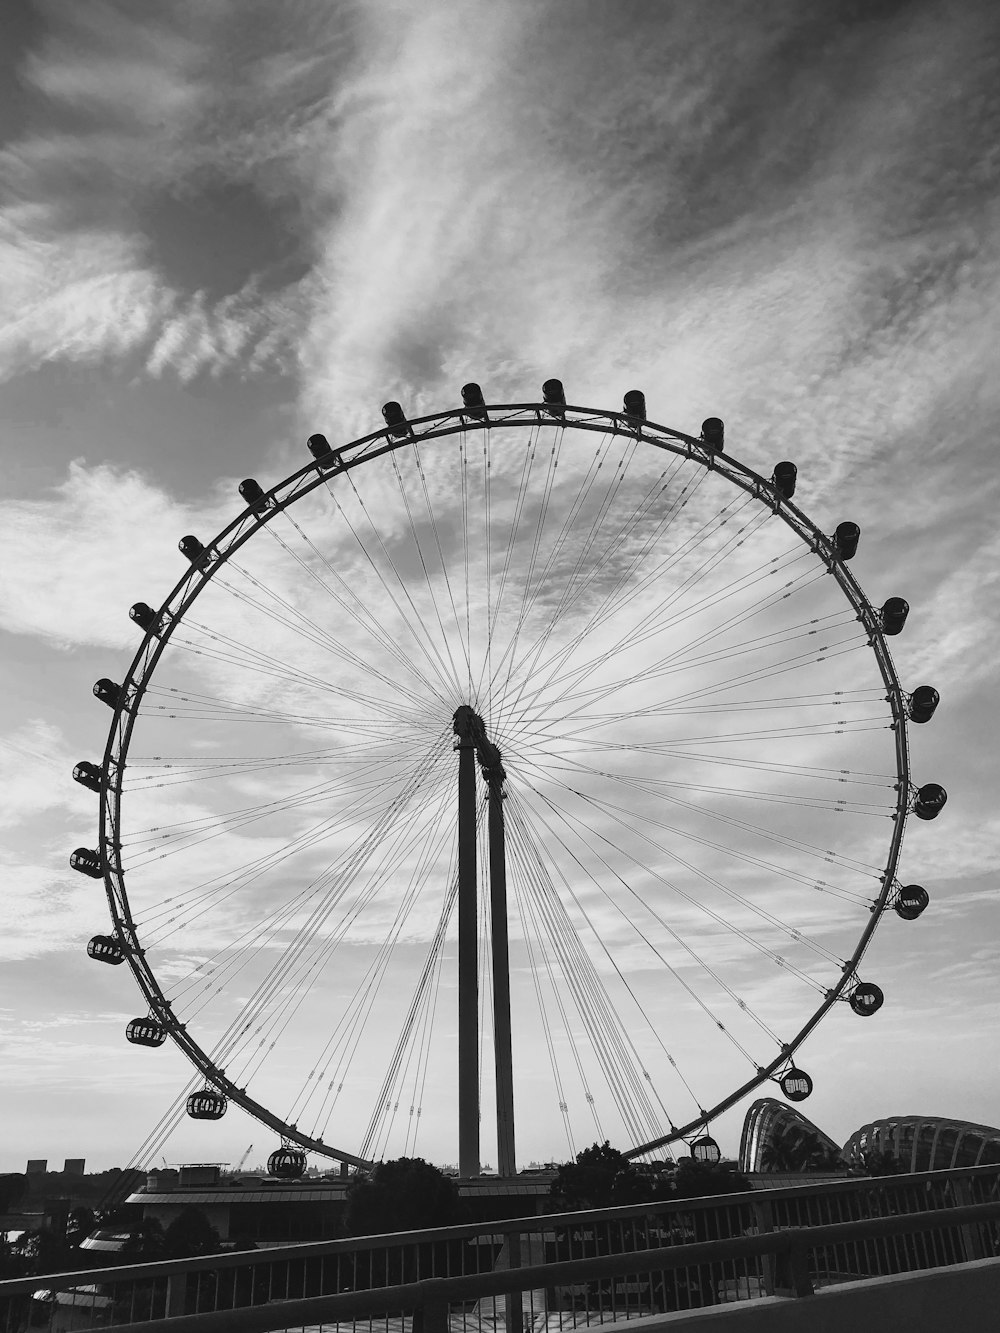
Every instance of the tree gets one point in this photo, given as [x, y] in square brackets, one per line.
[404, 1194]
[884, 1163]
[693, 1180]
[798, 1149]
[13, 1188]
[145, 1243]
[600, 1177]
[190, 1234]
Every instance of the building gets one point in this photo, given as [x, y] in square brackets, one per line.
[920, 1143]
[270, 1211]
[926, 1143]
[772, 1131]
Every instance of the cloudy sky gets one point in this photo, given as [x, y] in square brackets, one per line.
[227, 225]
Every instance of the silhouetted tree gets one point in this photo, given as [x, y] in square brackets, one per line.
[884, 1163]
[146, 1242]
[694, 1180]
[799, 1149]
[190, 1234]
[405, 1194]
[13, 1187]
[600, 1177]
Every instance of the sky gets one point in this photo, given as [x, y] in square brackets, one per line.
[225, 226]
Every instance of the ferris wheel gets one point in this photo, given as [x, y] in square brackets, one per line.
[523, 756]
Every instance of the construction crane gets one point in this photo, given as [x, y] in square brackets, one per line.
[239, 1164]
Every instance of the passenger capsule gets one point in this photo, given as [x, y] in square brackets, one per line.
[930, 801]
[88, 775]
[108, 692]
[795, 1084]
[554, 398]
[287, 1163]
[784, 477]
[207, 1105]
[475, 403]
[713, 433]
[634, 405]
[319, 447]
[106, 949]
[395, 419]
[253, 495]
[87, 862]
[705, 1149]
[143, 615]
[146, 1032]
[866, 998]
[893, 615]
[845, 540]
[923, 702]
[191, 547]
[911, 901]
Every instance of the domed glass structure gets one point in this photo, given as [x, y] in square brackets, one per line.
[926, 1143]
[777, 1137]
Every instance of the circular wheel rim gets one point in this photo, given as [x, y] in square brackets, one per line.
[355, 454]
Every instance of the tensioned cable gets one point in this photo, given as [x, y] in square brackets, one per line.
[221, 890]
[547, 486]
[351, 1023]
[456, 679]
[655, 624]
[523, 814]
[656, 621]
[527, 664]
[412, 1042]
[611, 605]
[687, 948]
[361, 613]
[308, 931]
[519, 503]
[771, 866]
[526, 912]
[185, 834]
[428, 856]
[278, 971]
[610, 1040]
[442, 670]
[467, 647]
[323, 641]
[550, 1047]
[625, 816]
[310, 837]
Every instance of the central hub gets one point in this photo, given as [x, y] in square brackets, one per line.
[470, 729]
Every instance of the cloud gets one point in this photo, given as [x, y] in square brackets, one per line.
[788, 220]
[89, 272]
[88, 527]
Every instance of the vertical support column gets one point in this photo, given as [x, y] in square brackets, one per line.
[501, 981]
[468, 964]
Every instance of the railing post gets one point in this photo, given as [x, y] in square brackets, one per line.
[430, 1315]
[791, 1266]
[972, 1236]
[513, 1300]
[764, 1221]
[176, 1294]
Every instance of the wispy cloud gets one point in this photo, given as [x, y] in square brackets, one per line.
[788, 218]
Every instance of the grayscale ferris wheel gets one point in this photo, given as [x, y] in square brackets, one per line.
[522, 756]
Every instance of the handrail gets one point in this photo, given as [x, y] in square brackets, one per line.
[506, 1226]
[432, 1296]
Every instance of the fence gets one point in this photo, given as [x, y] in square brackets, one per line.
[552, 1272]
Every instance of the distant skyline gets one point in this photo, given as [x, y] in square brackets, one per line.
[224, 226]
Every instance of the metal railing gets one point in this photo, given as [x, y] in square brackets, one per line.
[556, 1271]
